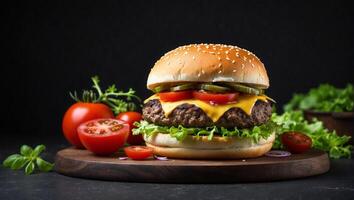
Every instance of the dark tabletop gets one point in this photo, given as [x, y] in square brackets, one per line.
[338, 183]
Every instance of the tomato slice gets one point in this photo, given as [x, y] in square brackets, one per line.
[296, 142]
[130, 118]
[103, 136]
[215, 98]
[138, 152]
[175, 96]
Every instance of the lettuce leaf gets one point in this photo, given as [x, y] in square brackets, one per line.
[180, 132]
[325, 98]
[323, 139]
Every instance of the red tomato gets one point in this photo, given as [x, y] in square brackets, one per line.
[218, 98]
[103, 136]
[138, 152]
[296, 142]
[130, 118]
[175, 96]
[79, 113]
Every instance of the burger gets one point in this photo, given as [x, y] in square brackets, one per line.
[209, 103]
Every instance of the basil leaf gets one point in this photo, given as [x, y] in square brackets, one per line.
[44, 165]
[29, 168]
[9, 160]
[38, 150]
[29, 158]
[26, 150]
[18, 163]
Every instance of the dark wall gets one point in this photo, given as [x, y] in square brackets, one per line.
[54, 47]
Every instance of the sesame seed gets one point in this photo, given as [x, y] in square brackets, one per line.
[218, 53]
[227, 52]
[227, 58]
[203, 71]
[234, 70]
[219, 72]
[219, 64]
[233, 61]
[237, 55]
[244, 58]
[252, 65]
[193, 57]
[219, 58]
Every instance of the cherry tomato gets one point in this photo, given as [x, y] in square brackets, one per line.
[217, 98]
[296, 142]
[79, 113]
[175, 96]
[130, 118]
[103, 136]
[138, 152]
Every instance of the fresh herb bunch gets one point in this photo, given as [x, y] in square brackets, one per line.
[322, 138]
[110, 97]
[28, 158]
[180, 132]
[325, 98]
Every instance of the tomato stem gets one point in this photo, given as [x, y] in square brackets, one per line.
[95, 81]
[110, 97]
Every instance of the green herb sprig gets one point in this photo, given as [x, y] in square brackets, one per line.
[111, 97]
[28, 158]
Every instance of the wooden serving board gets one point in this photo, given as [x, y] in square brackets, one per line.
[82, 163]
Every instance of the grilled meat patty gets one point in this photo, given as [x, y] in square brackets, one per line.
[189, 115]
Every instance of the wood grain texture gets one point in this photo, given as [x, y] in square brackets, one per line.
[82, 163]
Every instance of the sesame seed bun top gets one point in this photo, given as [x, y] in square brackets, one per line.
[208, 63]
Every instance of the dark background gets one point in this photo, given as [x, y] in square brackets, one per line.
[53, 47]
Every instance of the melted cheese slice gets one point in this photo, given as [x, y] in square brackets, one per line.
[214, 112]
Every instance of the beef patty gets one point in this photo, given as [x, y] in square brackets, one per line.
[190, 115]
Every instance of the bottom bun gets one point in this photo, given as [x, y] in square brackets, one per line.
[193, 147]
